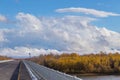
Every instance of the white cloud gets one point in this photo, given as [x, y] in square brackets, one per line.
[93, 12]
[64, 34]
[2, 39]
[30, 22]
[23, 52]
[2, 35]
[3, 18]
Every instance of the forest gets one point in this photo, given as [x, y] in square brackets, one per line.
[106, 63]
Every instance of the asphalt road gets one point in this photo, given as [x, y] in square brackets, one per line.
[23, 73]
[7, 70]
[43, 73]
[27, 70]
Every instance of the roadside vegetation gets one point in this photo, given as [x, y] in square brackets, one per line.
[4, 58]
[81, 64]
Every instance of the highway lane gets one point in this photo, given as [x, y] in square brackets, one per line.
[23, 72]
[7, 69]
[27, 70]
[40, 72]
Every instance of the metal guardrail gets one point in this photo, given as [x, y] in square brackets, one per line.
[39, 72]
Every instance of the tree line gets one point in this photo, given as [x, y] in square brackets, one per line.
[4, 58]
[75, 63]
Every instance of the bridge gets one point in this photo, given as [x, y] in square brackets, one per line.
[27, 70]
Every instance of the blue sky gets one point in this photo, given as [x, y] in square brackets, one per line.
[10, 8]
[45, 26]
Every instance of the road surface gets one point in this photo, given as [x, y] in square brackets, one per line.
[40, 72]
[7, 70]
[13, 70]
[27, 70]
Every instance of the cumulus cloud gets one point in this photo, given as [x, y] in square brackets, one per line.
[3, 18]
[64, 34]
[2, 39]
[23, 52]
[2, 35]
[93, 12]
[29, 22]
